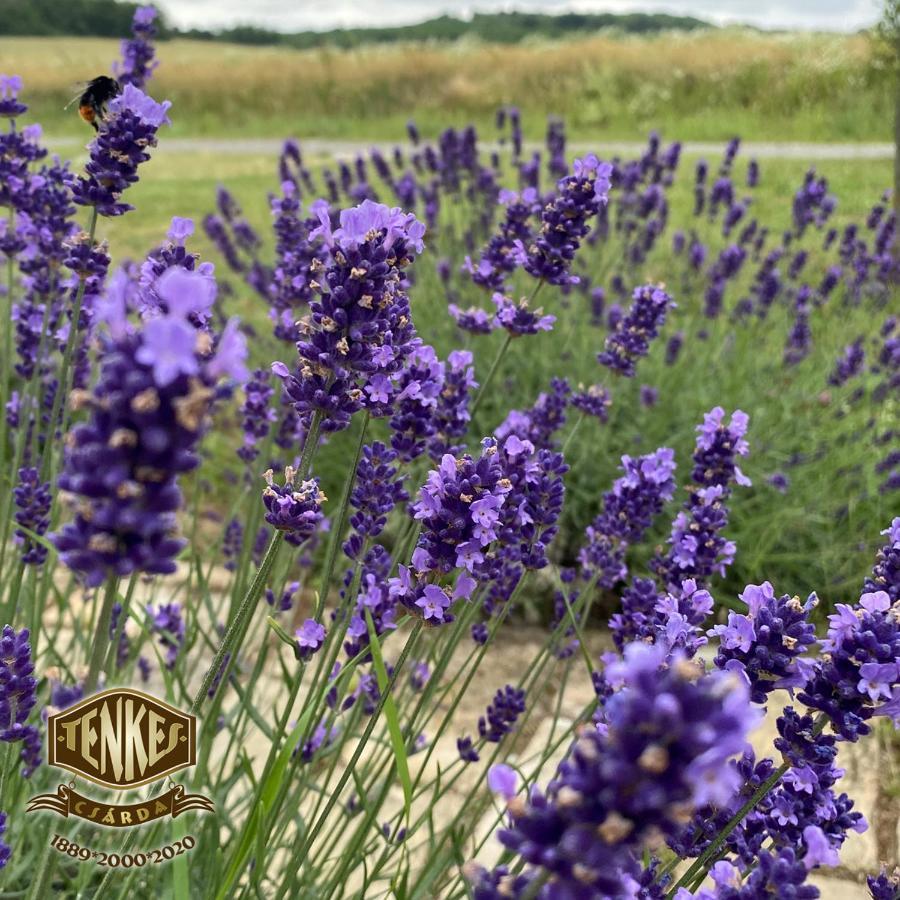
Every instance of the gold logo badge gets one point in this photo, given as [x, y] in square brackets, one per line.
[121, 739]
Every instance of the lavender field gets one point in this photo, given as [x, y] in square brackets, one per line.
[516, 522]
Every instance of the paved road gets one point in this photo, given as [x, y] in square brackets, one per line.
[341, 149]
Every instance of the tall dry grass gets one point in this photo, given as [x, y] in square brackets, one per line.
[710, 84]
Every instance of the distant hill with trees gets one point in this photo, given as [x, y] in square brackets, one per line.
[108, 18]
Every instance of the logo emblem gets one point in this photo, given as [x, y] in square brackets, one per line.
[121, 739]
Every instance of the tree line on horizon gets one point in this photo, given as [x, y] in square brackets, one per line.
[109, 18]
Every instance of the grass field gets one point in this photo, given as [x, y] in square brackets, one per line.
[701, 86]
[819, 536]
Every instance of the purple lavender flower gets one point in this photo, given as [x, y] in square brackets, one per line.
[502, 780]
[631, 339]
[460, 510]
[231, 543]
[697, 549]
[295, 509]
[119, 148]
[629, 509]
[138, 63]
[309, 636]
[717, 447]
[859, 678]
[661, 752]
[377, 490]
[884, 886]
[286, 600]
[417, 388]
[673, 347]
[564, 221]
[167, 622]
[33, 499]
[502, 712]
[849, 364]
[18, 686]
[359, 333]
[148, 410]
[649, 395]
[451, 414]
[539, 424]
[766, 643]
[473, 319]
[886, 572]
[503, 254]
[518, 319]
[257, 413]
[5, 851]
[10, 107]
[593, 401]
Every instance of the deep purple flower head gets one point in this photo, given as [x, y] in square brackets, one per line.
[662, 751]
[33, 500]
[849, 363]
[884, 886]
[119, 148]
[295, 509]
[631, 338]
[416, 391]
[309, 636]
[717, 447]
[629, 509]
[378, 489]
[138, 63]
[508, 704]
[886, 572]
[257, 413]
[148, 410]
[504, 252]
[451, 414]
[593, 401]
[5, 850]
[518, 319]
[766, 644]
[10, 107]
[564, 221]
[167, 623]
[697, 549]
[18, 686]
[859, 677]
[359, 333]
[474, 320]
[286, 600]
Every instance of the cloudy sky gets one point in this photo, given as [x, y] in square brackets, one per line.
[301, 15]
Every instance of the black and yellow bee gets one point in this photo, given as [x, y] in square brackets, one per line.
[93, 99]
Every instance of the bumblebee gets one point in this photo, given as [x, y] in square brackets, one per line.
[92, 101]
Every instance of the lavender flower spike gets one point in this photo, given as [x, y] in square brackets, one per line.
[120, 147]
[631, 339]
[290, 508]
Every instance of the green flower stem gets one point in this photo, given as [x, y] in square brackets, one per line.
[476, 402]
[340, 524]
[238, 627]
[313, 832]
[110, 662]
[62, 390]
[501, 353]
[101, 635]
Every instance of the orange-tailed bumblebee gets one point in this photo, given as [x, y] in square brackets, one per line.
[92, 101]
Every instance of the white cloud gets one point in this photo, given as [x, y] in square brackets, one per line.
[301, 15]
